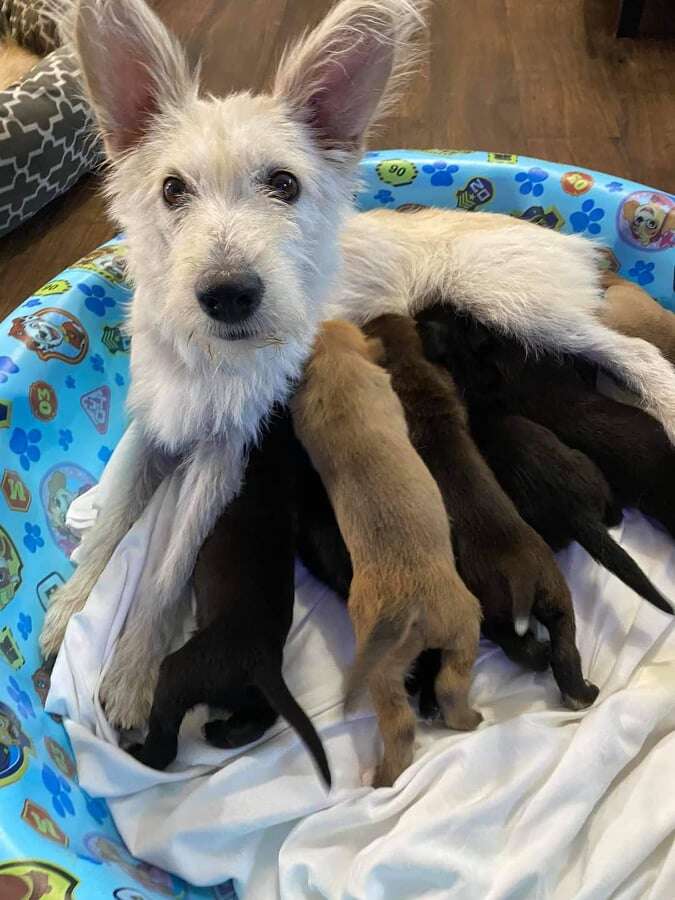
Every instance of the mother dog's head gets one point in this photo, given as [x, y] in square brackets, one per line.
[232, 205]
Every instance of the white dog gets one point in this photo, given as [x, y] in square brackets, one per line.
[232, 210]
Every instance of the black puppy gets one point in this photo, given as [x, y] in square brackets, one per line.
[630, 447]
[244, 588]
[560, 492]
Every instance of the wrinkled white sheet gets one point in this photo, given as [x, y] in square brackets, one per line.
[539, 802]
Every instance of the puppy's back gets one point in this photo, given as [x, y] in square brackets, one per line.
[352, 425]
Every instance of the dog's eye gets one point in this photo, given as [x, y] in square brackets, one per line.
[174, 191]
[284, 186]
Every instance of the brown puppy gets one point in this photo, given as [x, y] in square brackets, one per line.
[405, 593]
[630, 310]
[504, 561]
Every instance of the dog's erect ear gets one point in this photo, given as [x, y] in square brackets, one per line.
[133, 67]
[342, 75]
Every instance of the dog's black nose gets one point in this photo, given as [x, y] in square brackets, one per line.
[232, 299]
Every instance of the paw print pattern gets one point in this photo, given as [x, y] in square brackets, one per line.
[442, 175]
[7, 367]
[95, 807]
[65, 437]
[97, 301]
[59, 789]
[32, 538]
[97, 362]
[384, 196]
[531, 181]
[24, 444]
[34, 301]
[614, 186]
[587, 218]
[20, 698]
[104, 454]
[119, 379]
[70, 382]
[642, 272]
[24, 625]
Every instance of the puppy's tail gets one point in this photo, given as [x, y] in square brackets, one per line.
[596, 540]
[271, 682]
[387, 635]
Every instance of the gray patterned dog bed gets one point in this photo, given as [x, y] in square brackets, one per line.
[46, 134]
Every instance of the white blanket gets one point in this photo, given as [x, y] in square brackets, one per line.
[539, 802]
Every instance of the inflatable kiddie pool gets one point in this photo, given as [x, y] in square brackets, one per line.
[63, 379]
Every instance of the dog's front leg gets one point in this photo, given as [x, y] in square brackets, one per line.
[129, 484]
[210, 480]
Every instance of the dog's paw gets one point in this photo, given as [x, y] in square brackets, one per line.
[126, 697]
[463, 719]
[584, 699]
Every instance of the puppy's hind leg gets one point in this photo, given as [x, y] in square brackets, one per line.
[251, 718]
[395, 716]
[454, 680]
[179, 688]
[554, 609]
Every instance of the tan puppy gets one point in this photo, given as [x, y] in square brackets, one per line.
[405, 595]
[630, 310]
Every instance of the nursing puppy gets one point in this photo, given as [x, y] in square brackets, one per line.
[244, 591]
[502, 560]
[560, 492]
[629, 447]
[405, 593]
[232, 209]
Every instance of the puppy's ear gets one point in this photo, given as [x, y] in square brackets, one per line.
[668, 223]
[343, 74]
[133, 68]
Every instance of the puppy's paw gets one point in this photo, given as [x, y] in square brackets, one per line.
[157, 757]
[463, 719]
[583, 699]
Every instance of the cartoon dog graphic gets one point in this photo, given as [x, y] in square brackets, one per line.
[14, 748]
[52, 333]
[59, 499]
[650, 221]
[60, 485]
[10, 569]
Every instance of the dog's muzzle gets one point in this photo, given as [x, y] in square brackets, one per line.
[231, 300]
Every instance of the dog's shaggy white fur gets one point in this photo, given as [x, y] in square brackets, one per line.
[199, 389]
[528, 281]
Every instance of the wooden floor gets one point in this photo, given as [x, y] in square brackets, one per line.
[542, 78]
